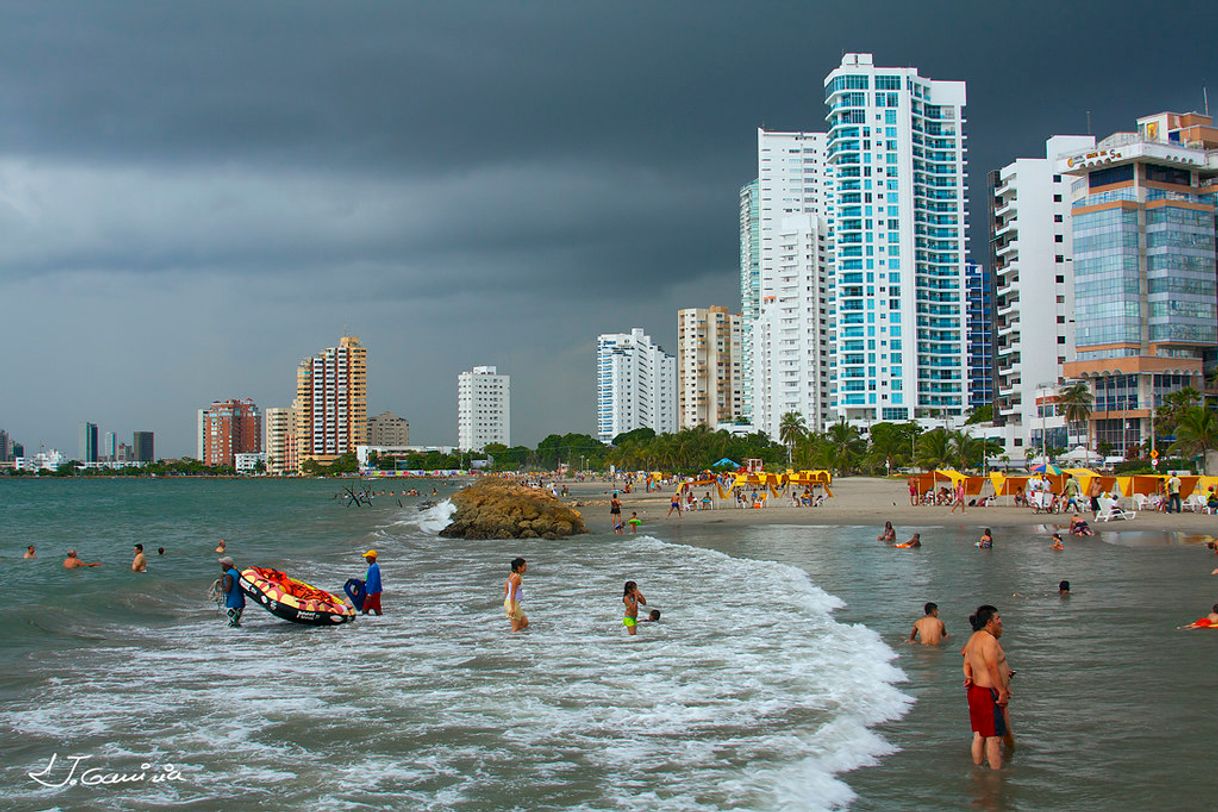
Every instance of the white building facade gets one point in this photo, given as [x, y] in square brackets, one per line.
[787, 345]
[750, 286]
[484, 412]
[636, 385]
[896, 146]
[1031, 252]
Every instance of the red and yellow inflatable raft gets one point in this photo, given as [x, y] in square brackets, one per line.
[294, 600]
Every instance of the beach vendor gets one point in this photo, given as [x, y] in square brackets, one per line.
[632, 597]
[372, 585]
[230, 588]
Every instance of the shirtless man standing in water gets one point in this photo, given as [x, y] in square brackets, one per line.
[928, 629]
[987, 684]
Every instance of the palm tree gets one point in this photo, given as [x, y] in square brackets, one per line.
[1196, 434]
[889, 442]
[1076, 401]
[1174, 404]
[935, 449]
[791, 429]
[846, 443]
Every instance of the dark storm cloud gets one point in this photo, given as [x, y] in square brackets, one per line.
[243, 180]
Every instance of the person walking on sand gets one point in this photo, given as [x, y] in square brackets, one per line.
[928, 629]
[888, 535]
[29, 552]
[958, 501]
[513, 594]
[674, 504]
[987, 687]
[139, 563]
[632, 597]
[230, 588]
[913, 492]
[1094, 491]
[73, 562]
[372, 585]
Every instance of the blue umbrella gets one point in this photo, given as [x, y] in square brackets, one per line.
[726, 462]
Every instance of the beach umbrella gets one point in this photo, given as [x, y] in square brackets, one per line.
[726, 463]
[1047, 468]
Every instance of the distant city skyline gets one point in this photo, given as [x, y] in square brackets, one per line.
[207, 204]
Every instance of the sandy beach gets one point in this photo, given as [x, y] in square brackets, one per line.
[865, 501]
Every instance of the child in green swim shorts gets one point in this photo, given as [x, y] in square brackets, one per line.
[632, 597]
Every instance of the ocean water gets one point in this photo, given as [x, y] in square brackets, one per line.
[753, 692]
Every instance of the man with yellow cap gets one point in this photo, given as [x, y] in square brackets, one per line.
[372, 584]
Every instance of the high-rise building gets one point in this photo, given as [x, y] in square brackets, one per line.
[125, 453]
[16, 450]
[109, 449]
[709, 369]
[979, 282]
[636, 385]
[1031, 250]
[896, 146]
[331, 406]
[230, 427]
[282, 452]
[484, 408]
[387, 429]
[786, 348]
[144, 449]
[6, 448]
[1145, 292]
[750, 287]
[88, 442]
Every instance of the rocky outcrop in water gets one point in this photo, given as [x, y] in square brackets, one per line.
[498, 509]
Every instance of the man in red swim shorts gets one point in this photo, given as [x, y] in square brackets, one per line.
[987, 684]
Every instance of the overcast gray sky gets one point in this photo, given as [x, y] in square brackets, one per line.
[195, 196]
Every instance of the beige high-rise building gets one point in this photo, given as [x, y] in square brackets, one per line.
[332, 402]
[387, 429]
[280, 436]
[710, 372]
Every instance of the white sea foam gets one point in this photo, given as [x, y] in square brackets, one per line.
[747, 695]
[434, 519]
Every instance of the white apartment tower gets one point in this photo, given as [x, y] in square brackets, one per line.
[636, 385]
[896, 147]
[787, 345]
[709, 373]
[484, 413]
[1031, 252]
[750, 287]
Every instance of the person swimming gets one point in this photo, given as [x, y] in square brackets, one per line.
[1063, 589]
[914, 541]
[888, 535]
[986, 542]
[1057, 542]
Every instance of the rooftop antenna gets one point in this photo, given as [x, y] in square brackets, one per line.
[1205, 94]
[1089, 123]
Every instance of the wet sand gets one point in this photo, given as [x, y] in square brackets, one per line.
[863, 501]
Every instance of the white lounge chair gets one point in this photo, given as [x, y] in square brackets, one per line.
[1109, 509]
[1195, 503]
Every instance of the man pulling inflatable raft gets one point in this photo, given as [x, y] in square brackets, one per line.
[292, 599]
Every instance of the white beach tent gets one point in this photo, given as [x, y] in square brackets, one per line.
[1080, 454]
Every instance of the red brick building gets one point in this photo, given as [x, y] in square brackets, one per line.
[227, 428]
